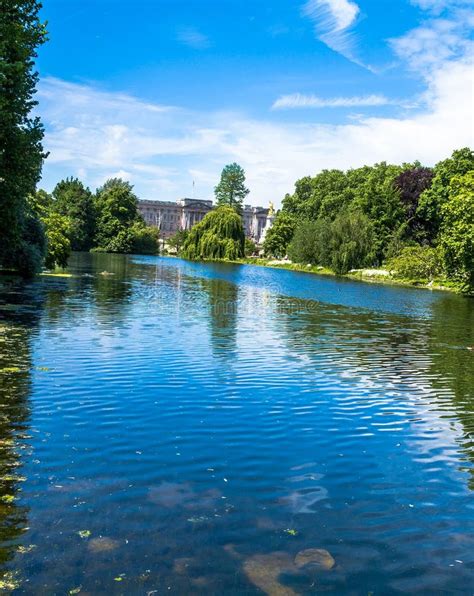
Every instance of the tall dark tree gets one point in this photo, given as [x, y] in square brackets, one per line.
[411, 183]
[21, 134]
[231, 190]
[73, 200]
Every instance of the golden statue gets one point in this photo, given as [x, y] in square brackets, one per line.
[271, 209]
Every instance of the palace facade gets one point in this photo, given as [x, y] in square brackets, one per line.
[169, 216]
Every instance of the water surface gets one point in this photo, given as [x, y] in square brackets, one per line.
[170, 426]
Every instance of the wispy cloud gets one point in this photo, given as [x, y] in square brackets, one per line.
[298, 100]
[193, 38]
[436, 41]
[438, 6]
[333, 21]
[160, 149]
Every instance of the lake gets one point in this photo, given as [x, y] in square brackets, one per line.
[169, 427]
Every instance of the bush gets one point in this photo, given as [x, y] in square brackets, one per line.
[416, 263]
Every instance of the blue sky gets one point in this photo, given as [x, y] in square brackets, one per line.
[165, 92]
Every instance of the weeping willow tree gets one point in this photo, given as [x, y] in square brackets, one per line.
[220, 235]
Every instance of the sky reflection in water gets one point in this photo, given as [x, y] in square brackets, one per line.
[191, 428]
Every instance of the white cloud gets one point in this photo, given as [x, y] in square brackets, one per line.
[333, 20]
[438, 6]
[433, 43]
[190, 36]
[162, 149]
[298, 100]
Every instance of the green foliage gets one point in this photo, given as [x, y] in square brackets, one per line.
[344, 244]
[231, 190]
[220, 235]
[73, 200]
[416, 263]
[320, 196]
[310, 244]
[351, 242]
[21, 151]
[348, 220]
[250, 247]
[31, 248]
[430, 208]
[279, 235]
[371, 190]
[177, 240]
[144, 239]
[457, 230]
[58, 229]
[376, 195]
[119, 226]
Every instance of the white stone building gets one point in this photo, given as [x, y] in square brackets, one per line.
[169, 216]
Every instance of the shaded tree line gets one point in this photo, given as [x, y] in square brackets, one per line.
[22, 242]
[416, 221]
[37, 228]
[108, 220]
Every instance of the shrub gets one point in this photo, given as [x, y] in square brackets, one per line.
[416, 262]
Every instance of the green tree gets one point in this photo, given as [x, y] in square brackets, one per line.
[117, 212]
[73, 200]
[321, 196]
[220, 235]
[430, 207]
[311, 241]
[145, 239]
[58, 230]
[376, 195]
[231, 189]
[351, 244]
[250, 247]
[177, 240]
[21, 151]
[457, 230]
[279, 235]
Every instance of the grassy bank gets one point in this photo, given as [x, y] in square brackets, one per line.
[365, 275]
